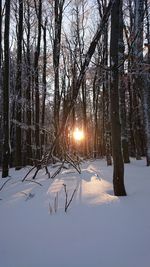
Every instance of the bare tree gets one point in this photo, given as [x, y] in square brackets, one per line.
[28, 90]
[58, 13]
[6, 128]
[142, 78]
[0, 77]
[44, 83]
[18, 157]
[118, 171]
[0, 43]
[36, 79]
[122, 89]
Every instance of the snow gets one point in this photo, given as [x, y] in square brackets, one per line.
[98, 230]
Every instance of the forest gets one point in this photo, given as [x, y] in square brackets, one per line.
[66, 66]
[74, 133]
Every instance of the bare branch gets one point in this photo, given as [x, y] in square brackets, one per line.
[67, 204]
[4, 184]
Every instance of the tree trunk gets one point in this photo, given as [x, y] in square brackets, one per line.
[106, 101]
[84, 104]
[0, 79]
[95, 111]
[18, 156]
[36, 80]
[148, 29]
[142, 80]
[146, 95]
[6, 129]
[28, 91]
[58, 10]
[122, 88]
[0, 44]
[44, 86]
[118, 171]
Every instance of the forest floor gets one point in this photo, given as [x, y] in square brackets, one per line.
[98, 229]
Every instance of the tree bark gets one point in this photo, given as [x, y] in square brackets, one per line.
[0, 78]
[6, 128]
[122, 88]
[142, 79]
[0, 41]
[58, 10]
[36, 80]
[118, 171]
[28, 91]
[44, 86]
[106, 101]
[18, 156]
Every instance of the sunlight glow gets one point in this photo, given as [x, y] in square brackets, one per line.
[78, 135]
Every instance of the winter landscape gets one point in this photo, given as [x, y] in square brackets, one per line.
[74, 133]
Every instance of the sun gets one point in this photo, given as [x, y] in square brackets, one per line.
[78, 135]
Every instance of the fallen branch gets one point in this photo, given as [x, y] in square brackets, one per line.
[58, 170]
[47, 172]
[4, 184]
[73, 164]
[67, 204]
[36, 172]
[28, 173]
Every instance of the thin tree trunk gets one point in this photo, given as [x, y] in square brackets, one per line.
[6, 128]
[106, 112]
[36, 77]
[122, 88]
[148, 29]
[0, 77]
[0, 43]
[58, 10]
[80, 44]
[131, 134]
[95, 111]
[44, 86]
[84, 116]
[143, 79]
[137, 59]
[28, 91]
[18, 156]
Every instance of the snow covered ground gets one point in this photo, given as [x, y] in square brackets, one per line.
[98, 230]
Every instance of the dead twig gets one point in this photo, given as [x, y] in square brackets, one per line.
[28, 173]
[4, 184]
[38, 165]
[58, 170]
[67, 203]
[73, 164]
[47, 172]
[36, 172]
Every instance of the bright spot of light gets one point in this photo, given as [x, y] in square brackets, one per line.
[78, 135]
